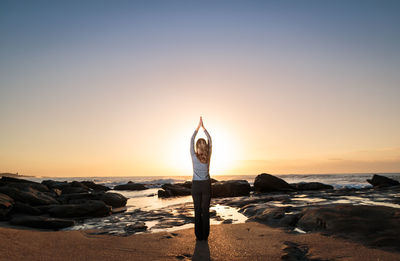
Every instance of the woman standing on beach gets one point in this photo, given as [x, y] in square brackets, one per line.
[201, 183]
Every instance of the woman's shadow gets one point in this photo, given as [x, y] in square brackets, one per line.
[201, 250]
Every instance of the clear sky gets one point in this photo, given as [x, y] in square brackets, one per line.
[114, 88]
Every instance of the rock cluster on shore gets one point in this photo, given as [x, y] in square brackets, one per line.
[263, 183]
[54, 204]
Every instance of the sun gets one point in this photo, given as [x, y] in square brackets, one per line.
[224, 156]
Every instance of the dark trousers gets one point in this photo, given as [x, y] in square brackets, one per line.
[201, 193]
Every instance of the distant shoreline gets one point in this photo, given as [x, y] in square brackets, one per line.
[13, 175]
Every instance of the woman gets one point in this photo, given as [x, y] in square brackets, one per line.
[201, 183]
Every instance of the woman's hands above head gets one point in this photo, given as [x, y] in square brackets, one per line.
[200, 124]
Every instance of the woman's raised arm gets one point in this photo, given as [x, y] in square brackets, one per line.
[194, 136]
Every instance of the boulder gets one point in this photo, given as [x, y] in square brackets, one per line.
[6, 205]
[382, 181]
[115, 200]
[28, 195]
[186, 184]
[74, 189]
[94, 186]
[230, 188]
[82, 196]
[41, 222]
[91, 208]
[310, 186]
[376, 226]
[24, 208]
[51, 184]
[130, 186]
[163, 193]
[22, 184]
[269, 183]
[271, 216]
[172, 190]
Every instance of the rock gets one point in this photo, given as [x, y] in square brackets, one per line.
[6, 179]
[78, 185]
[22, 184]
[173, 190]
[115, 200]
[186, 184]
[51, 184]
[271, 216]
[6, 205]
[251, 210]
[28, 195]
[311, 186]
[130, 186]
[24, 208]
[269, 183]
[213, 180]
[163, 193]
[136, 227]
[230, 188]
[94, 186]
[74, 189]
[82, 196]
[41, 222]
[382, 181]
[377, 226]
[91, 208]
[227, 221]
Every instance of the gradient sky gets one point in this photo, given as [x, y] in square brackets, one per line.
[114, 88]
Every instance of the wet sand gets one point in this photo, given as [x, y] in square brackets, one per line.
[246, 241]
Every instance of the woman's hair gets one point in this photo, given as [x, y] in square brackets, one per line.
[202, 150]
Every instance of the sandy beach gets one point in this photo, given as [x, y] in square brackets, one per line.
[247, 241]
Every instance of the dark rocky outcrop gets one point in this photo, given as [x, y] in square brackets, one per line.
[173, 190]
[115, 200]
[29, 203]
[6, 204]
[382, 181]
[310, 186]
[91, 208]
[230, 188]
[74, 189]
[74, 198]
[24, 208]
[41, 222]
[269, 183]
[376, 226]
[22, 184]
[130, 186]
[94, 186]
[28, 195]
[186, 184]
[52, 184]
[282, 217]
